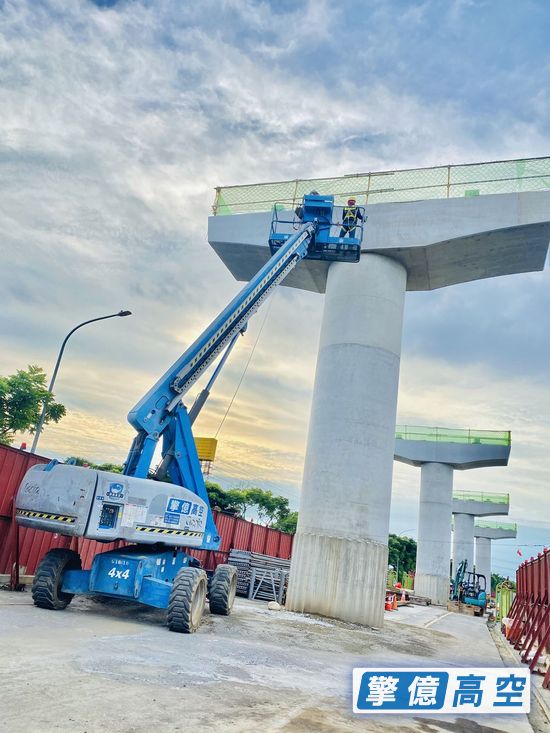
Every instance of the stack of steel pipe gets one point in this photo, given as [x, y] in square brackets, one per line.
[270, 573]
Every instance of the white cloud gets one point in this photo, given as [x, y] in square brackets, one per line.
[116, 127]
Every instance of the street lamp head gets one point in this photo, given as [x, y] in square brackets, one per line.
[124, 313]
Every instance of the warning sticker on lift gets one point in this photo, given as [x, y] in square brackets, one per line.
[170, 518]
[133, 514]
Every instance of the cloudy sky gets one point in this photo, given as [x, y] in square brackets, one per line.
[117, 121]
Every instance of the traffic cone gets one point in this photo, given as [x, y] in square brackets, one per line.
[403, 596]
[389, 605]
[394, 604]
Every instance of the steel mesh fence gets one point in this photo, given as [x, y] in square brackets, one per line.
[483, 524]
[451, 181]
[453, 435]
[480, 496]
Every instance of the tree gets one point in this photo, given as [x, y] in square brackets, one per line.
[22, 397]
[241, 499]
[288, 523]
[219, 498]
[270, 508]
[402, 553]
[112, 467]
[496, 579]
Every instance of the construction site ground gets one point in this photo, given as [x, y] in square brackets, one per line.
[101, 667]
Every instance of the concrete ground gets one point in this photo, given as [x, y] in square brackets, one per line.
[100, 667]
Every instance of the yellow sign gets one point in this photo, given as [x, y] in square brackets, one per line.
[206, 448]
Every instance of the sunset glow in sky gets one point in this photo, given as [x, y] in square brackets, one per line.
[119, 119]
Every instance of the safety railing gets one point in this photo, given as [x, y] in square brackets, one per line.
[527, 625]
[482, 524]
[283, 222]
[449, 181]
[454, 435]
[504, 596]
[480, 496]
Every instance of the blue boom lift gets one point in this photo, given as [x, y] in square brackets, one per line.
[158, 518]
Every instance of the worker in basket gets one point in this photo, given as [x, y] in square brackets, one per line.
[350, 215]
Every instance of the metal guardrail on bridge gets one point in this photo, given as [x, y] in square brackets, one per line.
[480, 496]
[454, 435]
[482, 524]
[448, 181]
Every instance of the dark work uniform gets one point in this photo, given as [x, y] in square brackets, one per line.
[349, 220]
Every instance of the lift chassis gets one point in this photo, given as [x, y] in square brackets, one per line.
[159, 514]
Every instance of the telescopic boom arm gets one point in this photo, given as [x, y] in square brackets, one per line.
[151, 416]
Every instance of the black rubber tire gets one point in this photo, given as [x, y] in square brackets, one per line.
[187, 600]
[48, 578]
[223, 589]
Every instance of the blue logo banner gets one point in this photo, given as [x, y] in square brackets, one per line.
[442, 690]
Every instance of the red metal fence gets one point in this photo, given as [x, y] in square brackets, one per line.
[529, 627]
[30, 545]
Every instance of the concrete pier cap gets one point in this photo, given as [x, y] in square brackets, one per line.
[485, 532]
[475, 222]
[438, 242]
[495, 530]
[480, 504]
[458, 448]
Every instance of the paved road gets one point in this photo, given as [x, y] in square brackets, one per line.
[112, 667]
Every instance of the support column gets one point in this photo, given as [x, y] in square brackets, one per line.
[340, 552]
[463, 540]
[433, 551]
[483, 559]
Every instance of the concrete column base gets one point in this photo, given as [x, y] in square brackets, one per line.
[435, 587]
[338, 578]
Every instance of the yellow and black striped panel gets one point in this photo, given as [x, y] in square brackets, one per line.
[45, 515]
[161, 530]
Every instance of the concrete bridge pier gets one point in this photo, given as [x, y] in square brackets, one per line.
[434, 532]
[439, 452]
[483, 558]
[466, 507]
[485, 533]
[463, 540]
[340, 552]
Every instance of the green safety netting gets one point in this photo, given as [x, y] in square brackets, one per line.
[450, 181]
[453, 435]
[480, 496]
[496, 525]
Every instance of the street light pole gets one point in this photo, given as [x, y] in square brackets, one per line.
[42, 417]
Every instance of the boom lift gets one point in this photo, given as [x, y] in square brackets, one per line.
[158, 518]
